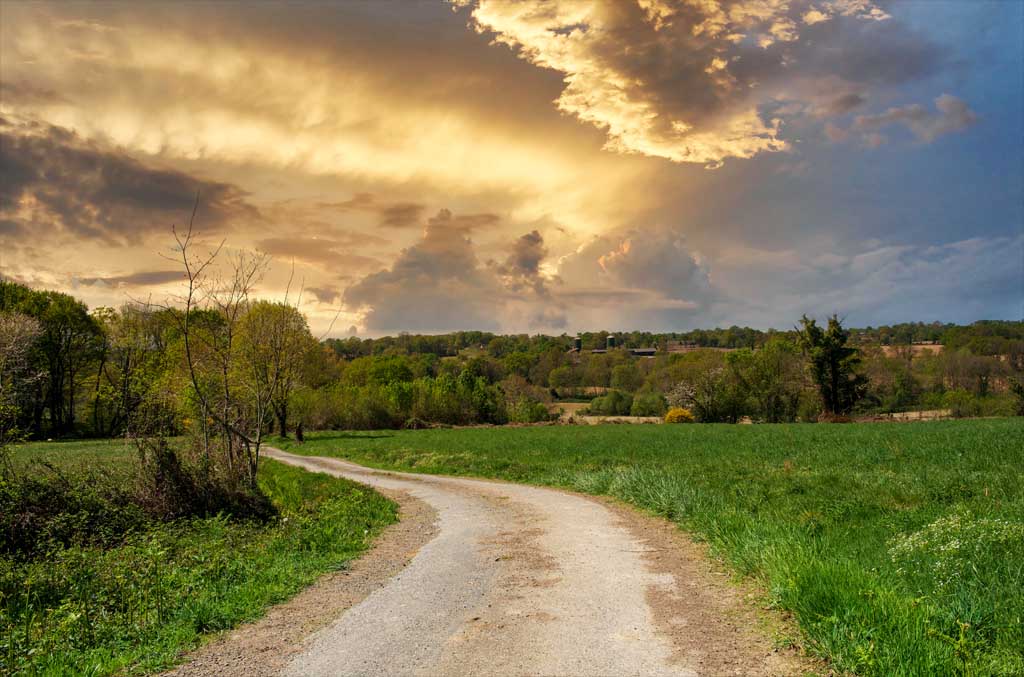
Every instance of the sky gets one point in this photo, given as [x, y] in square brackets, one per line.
[542, 166]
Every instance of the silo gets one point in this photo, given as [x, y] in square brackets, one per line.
[611, 342]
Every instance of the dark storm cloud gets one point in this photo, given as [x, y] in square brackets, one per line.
[324, 294]
[439, 283]
[52, 179]
[401, 215]
[842, 105]
[687, 80]
[462, 223]
[147, 278]
[391, 214]
[435, 284]
[521, 269]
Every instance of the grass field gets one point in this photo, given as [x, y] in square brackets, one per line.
[133, 608]
[899, 548]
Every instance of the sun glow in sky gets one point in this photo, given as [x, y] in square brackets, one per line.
[533, 166]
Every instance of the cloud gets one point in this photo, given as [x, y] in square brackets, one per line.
[392, 214]
[148, 278]
[436, 284]
[687, 81]
[54, 179]
[463, 223]
[640, 277]
[522, 267]
[874, 282]
[845, 103]
[950, 115]
[332, 253]
[440, 284]
[324, 294]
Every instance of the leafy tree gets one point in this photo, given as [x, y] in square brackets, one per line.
[518, 363]
[626, 377]
[275, 340]
[833, 364]
[562, 377]
[1017, 388]
[67, 344]
[648, 404]
[615, 403]
[772, 379]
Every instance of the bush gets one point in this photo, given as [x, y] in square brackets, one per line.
[38, 514]
[1017, 388]
[678, 415]
[525, 410]
[961, 403]
[615, 403]
[648, 404]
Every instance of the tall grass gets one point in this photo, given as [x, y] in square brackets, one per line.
[898, 548]
[133, 608]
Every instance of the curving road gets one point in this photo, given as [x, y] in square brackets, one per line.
[522, 580]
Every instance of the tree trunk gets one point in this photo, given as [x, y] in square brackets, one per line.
[282, 419]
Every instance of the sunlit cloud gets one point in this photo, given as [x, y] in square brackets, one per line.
[519, 166]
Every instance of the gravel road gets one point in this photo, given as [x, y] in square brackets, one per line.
[520, 580]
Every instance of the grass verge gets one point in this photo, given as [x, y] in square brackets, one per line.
[135, 607]
[899, 549]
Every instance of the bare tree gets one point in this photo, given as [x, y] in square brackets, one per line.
[232, 389]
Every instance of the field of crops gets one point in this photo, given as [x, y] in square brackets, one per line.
[899, 548]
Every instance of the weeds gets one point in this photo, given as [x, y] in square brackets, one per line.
[100, 608]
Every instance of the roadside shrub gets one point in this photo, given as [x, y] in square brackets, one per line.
[648, 404]
[40, 513]
[678, 415]
[176, 481]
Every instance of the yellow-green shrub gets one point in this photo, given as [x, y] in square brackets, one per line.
[678, 415]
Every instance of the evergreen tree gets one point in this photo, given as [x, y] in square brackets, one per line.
[833, 364]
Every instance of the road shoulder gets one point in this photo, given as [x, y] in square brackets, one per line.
[263, 648]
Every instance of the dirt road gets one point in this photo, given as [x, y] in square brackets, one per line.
[517, 580]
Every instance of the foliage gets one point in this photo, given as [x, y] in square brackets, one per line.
[772, 378]
[1017, 388]
[678, 415]
[833, 364]
[615, 403]
[710, 390]
[526, 410]
[133, 603]
[648, 404]
[815, 514]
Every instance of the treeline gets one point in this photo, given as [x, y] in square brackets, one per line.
[69, 371]
[985, 337]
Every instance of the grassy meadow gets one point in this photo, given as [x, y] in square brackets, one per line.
[133, 606]
[898, 548]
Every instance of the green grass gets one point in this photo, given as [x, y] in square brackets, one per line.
[136, 607]
[73, 455]
[899, 549]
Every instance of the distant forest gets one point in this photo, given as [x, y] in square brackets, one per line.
[68, 371]
[985, 337]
